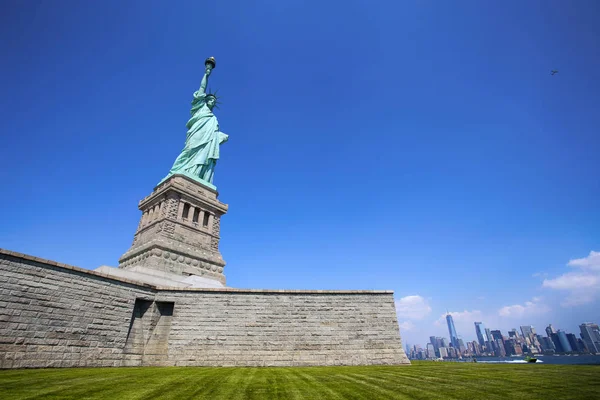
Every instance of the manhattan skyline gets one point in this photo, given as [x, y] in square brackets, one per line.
[420, 147]
[516, 342]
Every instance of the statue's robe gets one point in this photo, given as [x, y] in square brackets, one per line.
[201, 152]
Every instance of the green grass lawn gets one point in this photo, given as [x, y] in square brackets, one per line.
[422, 380]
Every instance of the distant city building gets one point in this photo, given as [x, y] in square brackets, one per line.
[470, 347]
[437, 342]
[536, 346]
[582, 346]
[513, 333]
[557, 344]
[430, 351]
[443, 352]
[590, 333]
[452, 331]
[477, 348]
[488, 335]
[550, 330]
[528, 331]
[461, 346]
[497, 335]
[546, 344]
[417, 353]
[573, 342]
[564, 342]
[509, 346]
[434, 342]
[452, 353]
[480, 331]
[498, 347]
[518, 349]
[444, 343]
[512, 347]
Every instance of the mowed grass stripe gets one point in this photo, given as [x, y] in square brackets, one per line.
[444, 383]
[174, 382]
[396, 388]
[456, 382]
[236, 382]
[433, 382]
[517, 381]
[422, 380]
[323, 388]
[57, 383]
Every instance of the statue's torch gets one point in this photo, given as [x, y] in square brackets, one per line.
[210, 63]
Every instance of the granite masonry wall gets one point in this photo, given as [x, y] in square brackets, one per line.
[55, 315]
[270, 328]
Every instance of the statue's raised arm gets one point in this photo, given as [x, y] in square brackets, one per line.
[209, 64]
[199, 157]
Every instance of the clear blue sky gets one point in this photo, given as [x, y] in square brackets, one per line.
[419, 146]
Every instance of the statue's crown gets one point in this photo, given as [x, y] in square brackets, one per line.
[214, 94]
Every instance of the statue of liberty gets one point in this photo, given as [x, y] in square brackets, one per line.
[201, 152]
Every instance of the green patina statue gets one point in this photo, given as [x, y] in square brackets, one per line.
[201, 152]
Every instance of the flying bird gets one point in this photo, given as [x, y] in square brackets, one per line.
[554, 71]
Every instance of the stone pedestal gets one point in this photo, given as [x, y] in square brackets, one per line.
[179, 231]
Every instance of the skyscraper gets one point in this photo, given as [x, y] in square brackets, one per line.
[433, 341]
[590, 333]
[452, 331]
[557, 344]
[528, 331]
[437, 343]
[573, 342]
[546, 343]
[498, 347]
[550, 330]
[443, 352]
[564, 342]
[461, 346]
[497, 335]
[488, 335]
[430, 351]
[479, 331]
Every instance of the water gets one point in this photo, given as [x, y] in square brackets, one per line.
[550, 359]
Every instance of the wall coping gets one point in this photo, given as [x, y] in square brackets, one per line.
[172, 289]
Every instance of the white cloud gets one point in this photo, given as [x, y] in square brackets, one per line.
[592, 261]
[577, 299]
[530, 308]
[461, 318]
[582, 285]
[412, 307]
[406, 326]
[572, 280]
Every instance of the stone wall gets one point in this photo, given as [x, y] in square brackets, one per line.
[55, 315]
[283, 328]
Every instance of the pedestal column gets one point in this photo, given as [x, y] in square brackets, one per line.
[165, 241]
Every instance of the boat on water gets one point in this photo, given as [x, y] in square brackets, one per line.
[530, 359]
